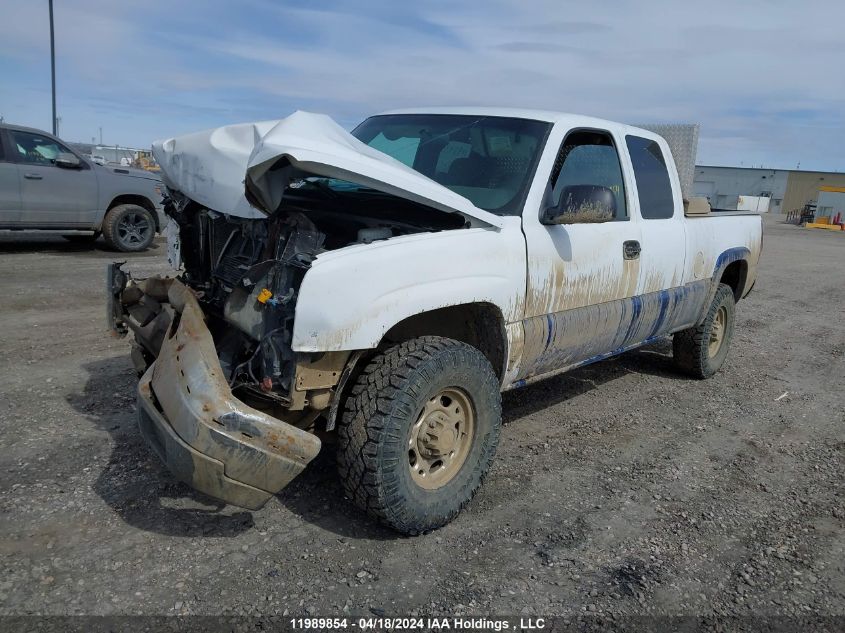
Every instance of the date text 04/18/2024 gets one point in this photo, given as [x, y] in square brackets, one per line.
[412, 624]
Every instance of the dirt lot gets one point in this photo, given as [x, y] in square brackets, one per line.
[621, 488]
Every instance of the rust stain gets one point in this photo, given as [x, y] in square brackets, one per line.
[630, 277]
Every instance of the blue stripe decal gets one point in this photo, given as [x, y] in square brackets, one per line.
[574, 337]
[636, 310]
[664, 298]
[522, 382]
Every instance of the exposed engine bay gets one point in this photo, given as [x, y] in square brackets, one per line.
[276, 229]
[246, 274]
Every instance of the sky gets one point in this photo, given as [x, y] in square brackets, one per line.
[763, 78]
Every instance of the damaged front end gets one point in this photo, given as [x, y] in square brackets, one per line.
[218, 398]
[208, 438]
[224, 399]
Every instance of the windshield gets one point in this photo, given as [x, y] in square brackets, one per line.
[489, 160]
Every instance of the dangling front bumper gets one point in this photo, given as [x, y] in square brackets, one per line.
[208, 438]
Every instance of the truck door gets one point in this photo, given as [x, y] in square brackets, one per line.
[10, 191]
[665, 301]
[581, 273]
[52, 196]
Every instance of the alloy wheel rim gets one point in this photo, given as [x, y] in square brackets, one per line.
[441, 438]
[133, 229]
[717, 331]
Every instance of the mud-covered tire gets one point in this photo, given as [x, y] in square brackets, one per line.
[691, 348]
[381, 412]
[129, 228]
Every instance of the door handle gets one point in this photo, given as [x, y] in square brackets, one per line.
[631, 249]
[33, 176]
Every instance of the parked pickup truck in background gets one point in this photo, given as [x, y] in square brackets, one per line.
[45, 185]
[378, 290]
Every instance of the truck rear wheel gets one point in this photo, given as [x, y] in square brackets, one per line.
[701, 351]
[419, 433]
[129, 228]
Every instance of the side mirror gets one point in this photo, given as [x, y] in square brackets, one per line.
[67, 160]
[582, 204]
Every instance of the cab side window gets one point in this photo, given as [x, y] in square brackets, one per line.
[35, 149]
[654, 189]
[590, 158]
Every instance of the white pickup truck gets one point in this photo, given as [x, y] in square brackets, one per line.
[377, 290]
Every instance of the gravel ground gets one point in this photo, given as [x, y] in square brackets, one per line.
[619, 489]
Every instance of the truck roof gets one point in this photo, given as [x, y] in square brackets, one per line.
[23, 128]
[549, 116]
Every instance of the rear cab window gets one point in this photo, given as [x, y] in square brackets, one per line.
[654, 187]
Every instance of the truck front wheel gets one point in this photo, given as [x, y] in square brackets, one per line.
[419, 432]
[129, 228]
[701, 351]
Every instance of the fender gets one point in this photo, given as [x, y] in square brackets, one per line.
[739, 253]
[351, 297]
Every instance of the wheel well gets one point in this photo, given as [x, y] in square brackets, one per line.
[734, 276]
[478, 324]
[139, 200]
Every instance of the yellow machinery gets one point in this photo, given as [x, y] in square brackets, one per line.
[144, 160]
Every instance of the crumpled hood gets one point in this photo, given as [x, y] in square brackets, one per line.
[216, 167]
[209, 166]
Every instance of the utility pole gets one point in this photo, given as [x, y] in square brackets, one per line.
[53, 69]
[101, 135]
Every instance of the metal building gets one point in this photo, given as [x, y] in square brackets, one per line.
[831, 202]
[789, 189]
[807, 186]
[722, 184]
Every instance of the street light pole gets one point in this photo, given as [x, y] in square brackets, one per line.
[53, 68]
